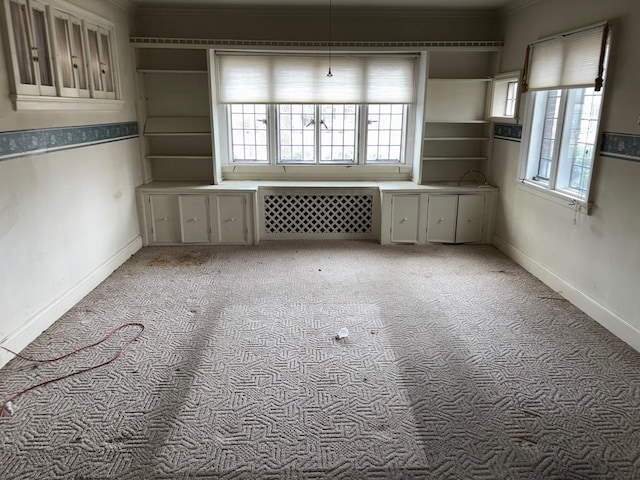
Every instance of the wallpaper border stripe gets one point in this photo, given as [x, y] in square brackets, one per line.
[23, 143]
[624, 146]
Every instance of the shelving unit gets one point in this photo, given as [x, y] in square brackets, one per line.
[174, 96]
[457, 130]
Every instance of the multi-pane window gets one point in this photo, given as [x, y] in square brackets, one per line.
[326, 134]
[249, 138]
[338, 133]
[31, 47]
[563, 138]
[385, 133]
[297, 133]
[70, 55]
[55, 51]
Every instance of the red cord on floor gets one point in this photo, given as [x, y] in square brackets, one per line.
[78, 372]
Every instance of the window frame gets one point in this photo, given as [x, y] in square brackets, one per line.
[59, 96]
[274, 159]
[561, 163]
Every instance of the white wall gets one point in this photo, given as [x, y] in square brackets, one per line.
[596, 261]
[67, 219]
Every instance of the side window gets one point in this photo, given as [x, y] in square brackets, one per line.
[30, 48]
[100, 62]
[58, 50]
[71, 67]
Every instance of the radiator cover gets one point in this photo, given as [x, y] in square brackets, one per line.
[317, 215]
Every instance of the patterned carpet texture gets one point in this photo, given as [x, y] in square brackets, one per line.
[458, 365]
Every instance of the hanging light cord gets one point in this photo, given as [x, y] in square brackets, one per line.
[8, 406]
[330, 36]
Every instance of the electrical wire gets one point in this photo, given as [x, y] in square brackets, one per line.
[6, 407]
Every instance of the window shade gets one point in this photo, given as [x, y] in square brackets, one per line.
[303, 79]
[574, 59]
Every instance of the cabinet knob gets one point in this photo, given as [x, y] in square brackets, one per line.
[404, 219]
[441, 219]
[165, 219]
[231, 219]
[194, 219]
[470, 220]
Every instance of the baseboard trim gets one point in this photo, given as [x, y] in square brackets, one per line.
[601, 314]
[42, 320]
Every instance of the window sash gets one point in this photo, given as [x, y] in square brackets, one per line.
[294, 134]
[559, 150]
[288, 79]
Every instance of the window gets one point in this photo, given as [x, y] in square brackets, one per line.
[100, 62]
[562, 118]
[563, 139]
[70, 56]
[30, 47]
[317, 134]
[58, 50]
[504, 97]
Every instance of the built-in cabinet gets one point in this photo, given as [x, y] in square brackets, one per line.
[455, 218]
[438, 215]
[181, 216]
[405, 218]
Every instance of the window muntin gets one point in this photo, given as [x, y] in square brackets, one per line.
[307, 134]
[561, 147]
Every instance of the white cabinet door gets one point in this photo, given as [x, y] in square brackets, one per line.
[194, 218]
[231, 218]
[165, 219]
[469, 224]
[404, 218]
[441, 218]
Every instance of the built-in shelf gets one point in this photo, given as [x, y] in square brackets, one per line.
[177, 126]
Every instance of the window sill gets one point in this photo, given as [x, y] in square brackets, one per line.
[35, 102]
[316, 172]
[560, 198]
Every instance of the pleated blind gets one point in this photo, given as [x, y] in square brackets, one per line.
[574, 59]
[303, 79]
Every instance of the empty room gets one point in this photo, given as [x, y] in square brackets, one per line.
[319, 239]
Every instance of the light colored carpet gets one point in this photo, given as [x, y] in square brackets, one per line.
[459, 365]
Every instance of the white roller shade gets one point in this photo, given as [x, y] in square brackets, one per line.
[303, 79]
[573, 59]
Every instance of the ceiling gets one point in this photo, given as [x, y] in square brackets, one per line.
[422, 4]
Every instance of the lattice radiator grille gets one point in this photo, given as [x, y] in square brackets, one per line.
[318, 214]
